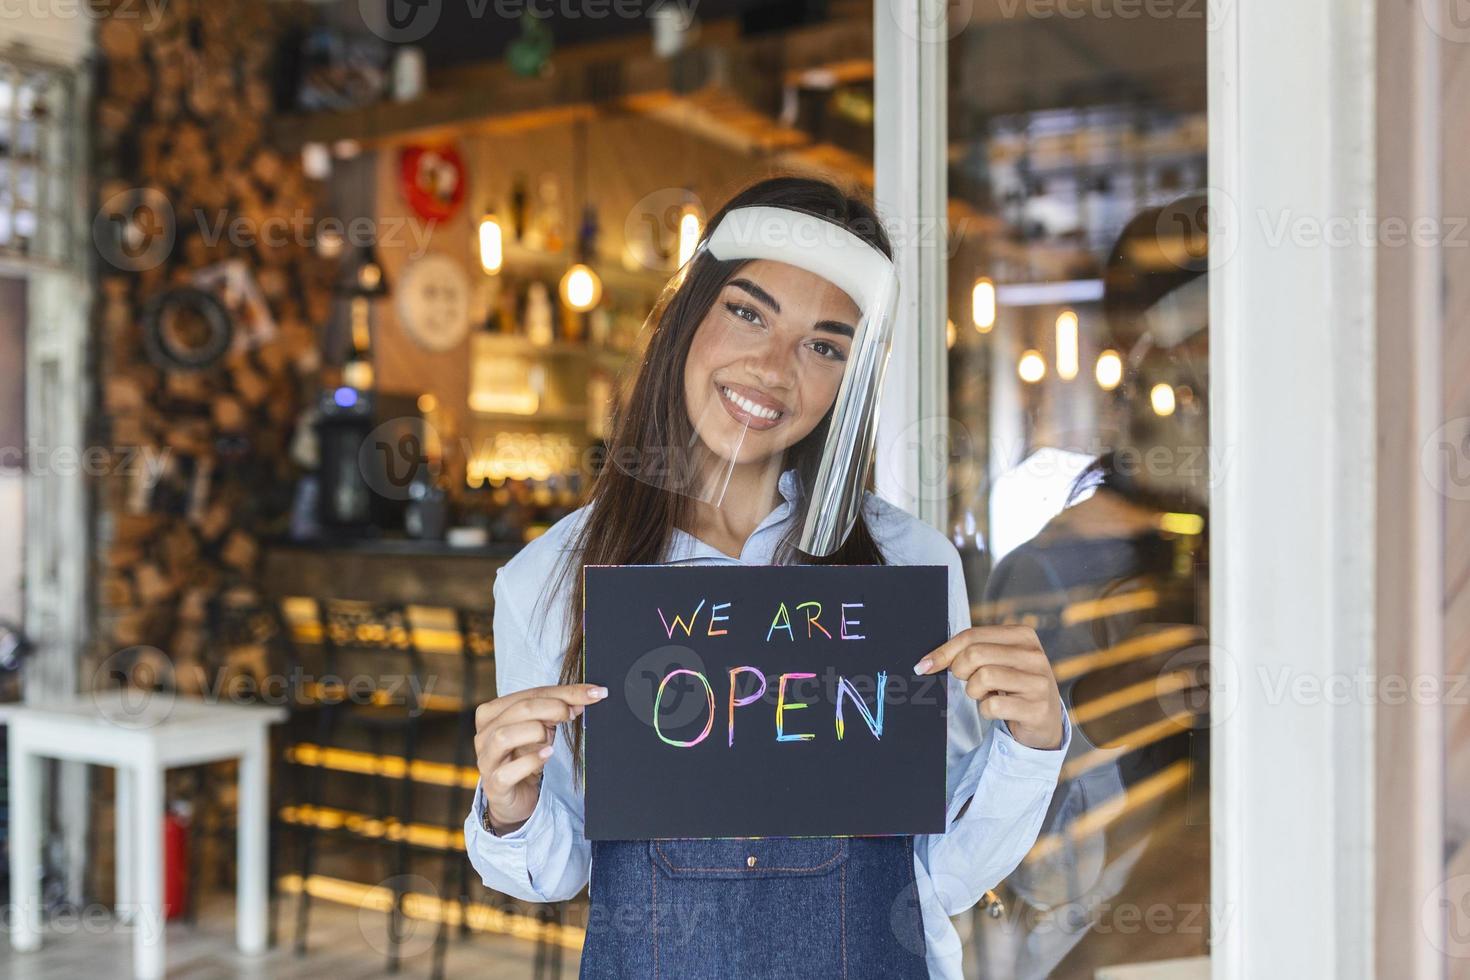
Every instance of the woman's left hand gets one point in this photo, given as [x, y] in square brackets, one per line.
[1007, 672]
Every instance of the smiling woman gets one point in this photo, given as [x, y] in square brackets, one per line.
[768, 357]
[745, 440]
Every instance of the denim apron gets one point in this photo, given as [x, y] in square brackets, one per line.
[756, 908]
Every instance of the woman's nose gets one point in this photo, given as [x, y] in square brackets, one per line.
[774, 366]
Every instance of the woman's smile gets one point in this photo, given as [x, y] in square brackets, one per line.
[750, 407]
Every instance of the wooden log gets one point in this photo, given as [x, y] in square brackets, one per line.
[239, 551]
[215, 521]
[152, 585]
[179, 550]
[250, 385]
[121, 38]
[228, 413]
[117, 591]
[122, 394]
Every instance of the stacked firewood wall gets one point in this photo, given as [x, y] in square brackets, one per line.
[183, 100]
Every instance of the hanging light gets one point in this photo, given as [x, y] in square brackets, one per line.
[492, 249]
[1067, 345]
[1109, 370]
[688, 235]
[982, 305]
[1032, 367]
[364, 279]
[580, 288]
[1161, 396]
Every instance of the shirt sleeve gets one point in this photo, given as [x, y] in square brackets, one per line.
[546, 859]
[998, 790]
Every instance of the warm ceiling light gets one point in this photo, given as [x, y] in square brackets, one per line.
[1161, 396]
[688, 235]
[951, 334]
[982, 305]
[1032, 367]
[1067, 345]
[1109, 370]
[580, 288]
[492, 249]
[427, 403]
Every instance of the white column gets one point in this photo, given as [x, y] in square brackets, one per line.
[148, 919]
[124, 858]
[252, 846]
[909, 144]
[1292, 425]
[25, 845]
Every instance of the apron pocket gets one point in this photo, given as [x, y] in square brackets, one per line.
[755, 857]
[751, 909]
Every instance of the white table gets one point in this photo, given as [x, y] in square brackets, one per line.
[140, 736]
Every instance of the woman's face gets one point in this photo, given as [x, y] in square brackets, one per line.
[766, 361]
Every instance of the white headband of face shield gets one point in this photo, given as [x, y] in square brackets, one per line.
[807, 242]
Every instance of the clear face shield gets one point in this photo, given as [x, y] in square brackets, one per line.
[781, 321]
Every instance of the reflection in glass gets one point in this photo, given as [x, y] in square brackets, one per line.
[1081, 507]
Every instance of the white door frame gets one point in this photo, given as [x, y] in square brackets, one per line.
[1293, 416]
[910, 139]
[1293, 413]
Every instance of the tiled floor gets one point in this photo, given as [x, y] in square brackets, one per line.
[342, 947]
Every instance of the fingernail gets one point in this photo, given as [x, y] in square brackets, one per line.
[597, 693]
[545, 753]
[922, 667]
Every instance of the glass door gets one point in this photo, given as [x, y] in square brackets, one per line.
[1070, 461]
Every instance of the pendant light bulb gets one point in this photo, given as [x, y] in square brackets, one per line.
[580, 288]
[1067, 357]
[688, 235]
[1031, 367]
[1161, 397]
[1109, 370]
[982, 305]
[492, 248]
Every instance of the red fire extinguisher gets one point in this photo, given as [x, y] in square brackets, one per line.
[176, 861]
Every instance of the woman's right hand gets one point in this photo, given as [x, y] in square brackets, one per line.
[514, 736]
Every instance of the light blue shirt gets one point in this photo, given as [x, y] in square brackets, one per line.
[1006, 784]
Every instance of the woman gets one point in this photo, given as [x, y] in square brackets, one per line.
[745, 440]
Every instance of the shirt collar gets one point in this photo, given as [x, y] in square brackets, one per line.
[760, 546]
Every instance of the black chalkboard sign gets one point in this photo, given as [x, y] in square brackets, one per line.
[745, 702]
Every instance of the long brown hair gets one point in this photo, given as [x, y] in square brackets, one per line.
[632, 522]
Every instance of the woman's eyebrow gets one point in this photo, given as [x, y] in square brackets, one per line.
[757, 292]
[836, 326]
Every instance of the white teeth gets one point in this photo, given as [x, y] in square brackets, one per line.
[746, 405]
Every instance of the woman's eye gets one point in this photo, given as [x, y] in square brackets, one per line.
[831, 351]
[744, 312]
